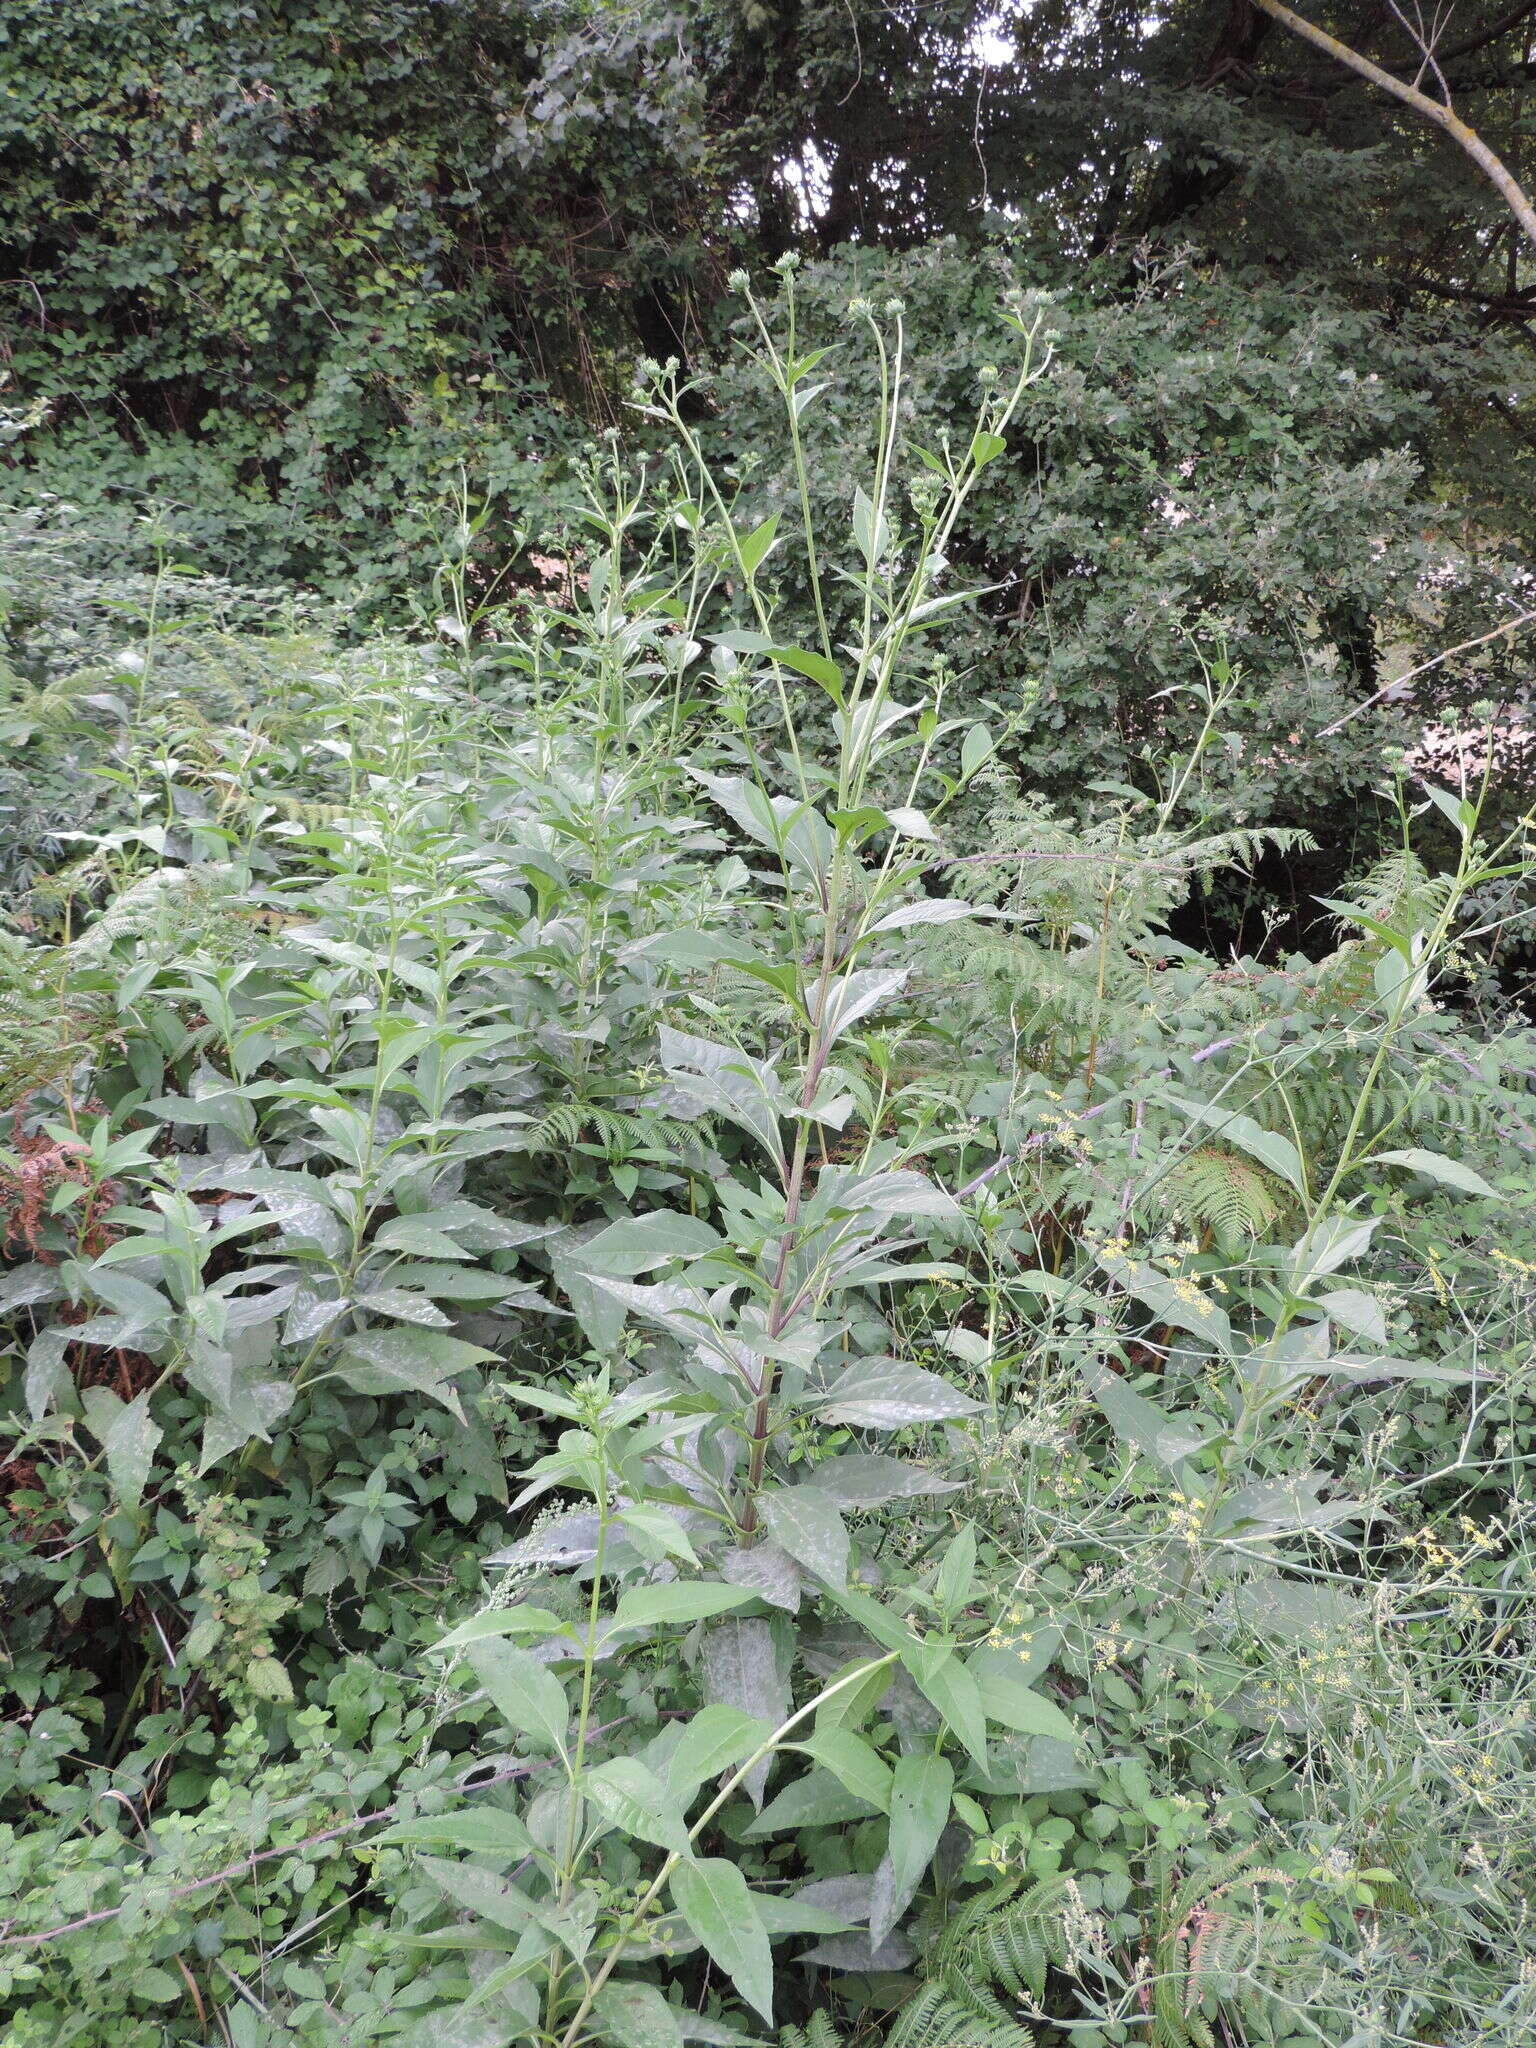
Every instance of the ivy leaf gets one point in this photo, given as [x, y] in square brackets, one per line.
[713, 1898]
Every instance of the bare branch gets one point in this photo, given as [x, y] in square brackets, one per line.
[1492, 166]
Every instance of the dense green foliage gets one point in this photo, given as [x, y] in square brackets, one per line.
[293, 270]
[668, 1372]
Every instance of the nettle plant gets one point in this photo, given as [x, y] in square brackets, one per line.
[718, 1467]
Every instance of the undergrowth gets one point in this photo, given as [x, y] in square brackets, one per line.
[656, 1389]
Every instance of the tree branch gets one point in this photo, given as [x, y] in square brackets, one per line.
[1493, 168]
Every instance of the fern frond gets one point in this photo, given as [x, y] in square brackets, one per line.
[818, 2032]
[935, 2020]
[1222, 1192]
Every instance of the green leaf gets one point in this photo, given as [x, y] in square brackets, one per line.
[818, 1800]
[986, 448]
[713, 1898]
[503, 1621]
[407, 1361]
[1268, 1147]
[805, 1521]
[752, 547]
[884, 1394]
[635, 2015]
[920, 1795]
[530, 1699]
[953, 1587]
[852, 1706]
[480, 1892]
[1006, 1700]
[656, 1534]
[1169, 1440]
[635, 1799]
[871, 531]
[814, 666]
[975, 749]
[938, 1673]
[1360, 1313]
[1181, 1305]
[1435, 1166]
[487, 1831]
[717, 1739]
[693, 1600]
[851, 1761]
[129, 1442]
[636, 1244]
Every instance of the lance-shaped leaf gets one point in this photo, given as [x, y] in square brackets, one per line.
[882, 1393]
[713, 1898]
[717, 1739]
[635, 2015]
[805, 1521]
[1268, 1147]
[1450, 1173]
[530, 1699]
[1180, 1303]
[740, 1668]
[920, 1796]
[840, 1001]
[637, 1244]
[635, 1799]
[719, 1079]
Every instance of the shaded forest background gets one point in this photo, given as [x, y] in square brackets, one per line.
[299, 273]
